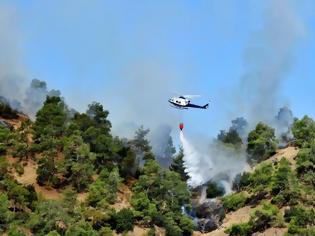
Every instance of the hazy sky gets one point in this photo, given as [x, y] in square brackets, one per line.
[131, 55]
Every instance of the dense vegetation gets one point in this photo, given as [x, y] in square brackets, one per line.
[77, 154]
[282, 184]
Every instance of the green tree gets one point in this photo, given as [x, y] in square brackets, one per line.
[4, 139]
[97, 113]
[243, 229]
[50, 119]
[124, 220]
[106, 231]
[81, 228]
[3, 168]
[78, 165]
[234, 201]
[141, 145]
[280, 179]
[231, 138]
[14, 230]
[21, 141]
[261, 143]
[303, 131]
[129, 164]
[5, 214]
[19, 195]
[49, 215]
[178, 165]
[306, 164]
[260, 179]
[186, 225]
[53, 233]
[299, 219]
[46, 170]
[97, 192]
[266, 216]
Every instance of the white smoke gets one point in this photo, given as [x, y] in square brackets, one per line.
[202, 166]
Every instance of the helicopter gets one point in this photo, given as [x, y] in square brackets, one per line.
[183, 102]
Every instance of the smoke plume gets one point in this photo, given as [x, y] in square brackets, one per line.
[35, 95]
[12, 70]
[162, 144]
[268, 59]
[214, 162]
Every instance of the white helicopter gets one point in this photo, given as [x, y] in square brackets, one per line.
[183, 102]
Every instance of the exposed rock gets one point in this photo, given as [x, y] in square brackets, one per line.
[210, 215]
[207, 225]
[210, 209]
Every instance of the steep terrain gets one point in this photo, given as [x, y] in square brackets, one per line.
[62, 175]
[124, 194]
[242, 215]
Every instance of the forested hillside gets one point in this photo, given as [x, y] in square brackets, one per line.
[66, 174]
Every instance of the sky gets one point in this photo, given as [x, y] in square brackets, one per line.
[133, 55]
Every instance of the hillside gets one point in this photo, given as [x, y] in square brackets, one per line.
[242, 215]
[67, 175]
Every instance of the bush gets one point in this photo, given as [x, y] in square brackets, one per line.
[3, 168]
[53, 233]
[19, 169]
[214, 190]
[124, 220]
[280, 179]
[241, 181]
[231, 138]
[186, 225]
[260, 179]
[105, 231]
[81, 228]
[151, 232]
[306, 165]
[243, 229]
[234, 201]
[4, 137]
[14, 230]
[266, 216]
[299, 219]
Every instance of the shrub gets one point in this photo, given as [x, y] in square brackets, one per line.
[243, 229]
[260, 179]
[19, 168]
[234, 201]
[299, 219]
[266, 216]
[241, 181]
[151, 232]
[124, 220]
[106, 231]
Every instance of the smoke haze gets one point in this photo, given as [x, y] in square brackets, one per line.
[12, 70]
[268, 59]
[214, 161]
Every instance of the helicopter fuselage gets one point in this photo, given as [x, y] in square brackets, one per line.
[184, 103]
